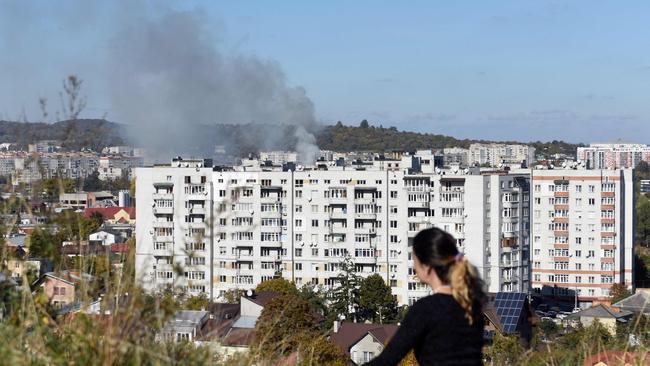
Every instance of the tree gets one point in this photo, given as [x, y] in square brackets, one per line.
[44, 244]
[316, 297]
[505, 350]
[376, 301]
[643, 222]
[282, 326]
[318, 350]
[364, 124]
[345, 296]
[232, 296]
[618, 292]
[198, 302]
[279, 285]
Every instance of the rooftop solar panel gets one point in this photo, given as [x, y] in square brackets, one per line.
[509, 306]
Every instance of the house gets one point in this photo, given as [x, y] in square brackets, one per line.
[637, 303]
[229, 328]
[61, 288]
[604, 315]
[361, 341]
[508, 313]
[185, 325]
[617, 358]
[113, 215]
[103, 237]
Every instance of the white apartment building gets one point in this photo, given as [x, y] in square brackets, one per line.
[583, 232]
[613, 156]
[496, 154]
[235, 228]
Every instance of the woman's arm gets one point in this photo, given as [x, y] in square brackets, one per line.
[413, 327]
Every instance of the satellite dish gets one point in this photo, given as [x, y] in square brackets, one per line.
[250, 293]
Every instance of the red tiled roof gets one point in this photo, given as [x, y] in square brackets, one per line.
[615, 358]
[119, 247]
[109, 212]
[350, 333]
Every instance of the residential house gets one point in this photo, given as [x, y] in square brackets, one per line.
[508, 313]
[606, 316]
[360, 341]
[61, 288]
[103, 237]
[185, 325]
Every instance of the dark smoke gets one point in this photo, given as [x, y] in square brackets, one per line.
[170, 80]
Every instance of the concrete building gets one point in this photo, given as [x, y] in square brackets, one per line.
[496, 154]
[234, 228]
[455, 156]
[613, 155]
[583, 232]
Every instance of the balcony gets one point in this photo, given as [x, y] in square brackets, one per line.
[365, 230]
[365, 216]
[561, 194]
[607, 220]
[561, 246]
[163, 210]
[365, 200]
[163, 238]
[270, 199]
[163, 224]
[419, 204]
[166, 252]
[197, 210]
[365, 260]
[337, 200]
[271, 229]
[163, 196]
[338, 215]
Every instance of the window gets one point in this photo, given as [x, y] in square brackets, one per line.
[393, 194]
[298, 252]
[298, 266]
[314, 223]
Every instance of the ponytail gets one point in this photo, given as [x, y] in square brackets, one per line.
[466, 287]
[437, 248]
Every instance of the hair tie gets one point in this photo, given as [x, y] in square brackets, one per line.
[459, 257]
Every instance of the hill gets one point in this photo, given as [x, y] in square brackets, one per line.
[74, 135]
[250, 138]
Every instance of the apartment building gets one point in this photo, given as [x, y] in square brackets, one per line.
[236, 227]
[613, 156]
[583, 232]
[496, 154]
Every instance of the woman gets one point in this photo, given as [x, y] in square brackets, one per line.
[445, 328]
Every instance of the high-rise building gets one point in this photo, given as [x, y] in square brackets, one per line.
[583, 232]
[613, 156]
[497, 154]
[208, 230]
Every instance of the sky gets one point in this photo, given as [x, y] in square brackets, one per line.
[502, 70]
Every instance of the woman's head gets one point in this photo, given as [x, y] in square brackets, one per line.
[435, 251]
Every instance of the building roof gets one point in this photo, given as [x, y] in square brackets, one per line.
[119, 248]
[349, 334]
[600, 311]
[262, 298]
[615, 358]
[71, 277]
[639, 302]
[110, 212]
[239, 337]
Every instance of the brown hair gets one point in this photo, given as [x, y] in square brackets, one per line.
[437, 248]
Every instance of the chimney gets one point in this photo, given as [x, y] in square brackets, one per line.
[335, 328]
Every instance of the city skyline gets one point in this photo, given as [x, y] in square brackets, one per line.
[499, 71]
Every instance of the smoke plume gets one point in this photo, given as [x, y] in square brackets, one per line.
[170, 80]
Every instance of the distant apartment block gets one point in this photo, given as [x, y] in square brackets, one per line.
[496, 154]
[614, 155]
[456, 155]
[583, 232]
[235, 227]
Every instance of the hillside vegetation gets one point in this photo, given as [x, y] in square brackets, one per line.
[248, 138]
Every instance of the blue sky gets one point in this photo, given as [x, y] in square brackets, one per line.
[524, 70]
